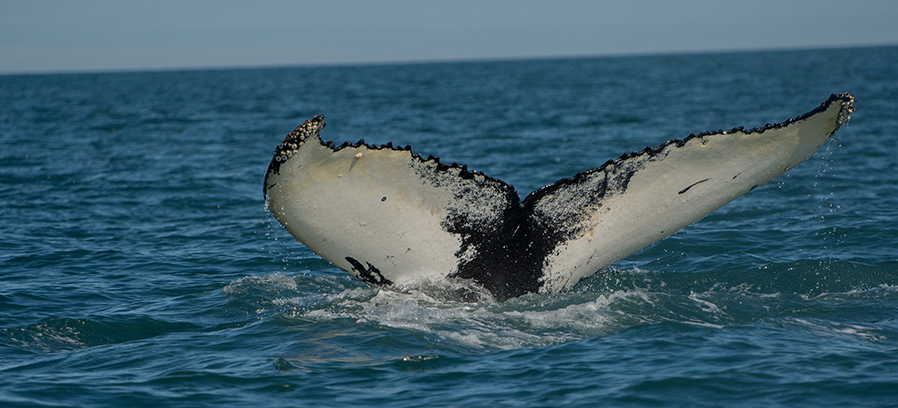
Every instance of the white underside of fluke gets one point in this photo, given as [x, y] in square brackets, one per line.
[365, 204]
[388, 216]
[679, 186]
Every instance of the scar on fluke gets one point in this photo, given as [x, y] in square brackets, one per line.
[694, 184]
[450, 222]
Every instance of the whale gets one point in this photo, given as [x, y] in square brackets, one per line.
[390, 216]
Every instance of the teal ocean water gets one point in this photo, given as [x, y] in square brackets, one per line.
[139, 267]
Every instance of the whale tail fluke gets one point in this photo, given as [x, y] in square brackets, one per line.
[387, 215]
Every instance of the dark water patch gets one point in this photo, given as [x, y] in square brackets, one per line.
[66, 334]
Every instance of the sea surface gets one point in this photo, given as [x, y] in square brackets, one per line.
[140, 268]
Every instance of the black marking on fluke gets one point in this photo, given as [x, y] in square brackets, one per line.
[370, 274]
[692, 185]
[512, 251]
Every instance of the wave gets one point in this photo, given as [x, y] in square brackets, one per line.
[840, 299]
[612, 301]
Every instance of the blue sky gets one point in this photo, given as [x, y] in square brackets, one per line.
[71, 36]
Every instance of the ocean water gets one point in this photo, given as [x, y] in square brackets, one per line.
[139, 267]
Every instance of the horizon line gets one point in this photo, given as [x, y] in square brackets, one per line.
[446, 60]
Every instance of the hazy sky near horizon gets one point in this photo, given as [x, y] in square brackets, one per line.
[100, 35]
